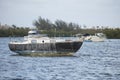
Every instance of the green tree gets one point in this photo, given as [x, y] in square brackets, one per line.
[43, 24]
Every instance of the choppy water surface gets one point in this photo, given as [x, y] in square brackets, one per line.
[94, 61]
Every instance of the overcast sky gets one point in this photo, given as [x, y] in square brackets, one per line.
[84, 12]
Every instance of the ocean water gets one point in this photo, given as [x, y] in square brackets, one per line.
[94, 61]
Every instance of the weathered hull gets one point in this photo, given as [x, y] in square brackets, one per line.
[63, 48]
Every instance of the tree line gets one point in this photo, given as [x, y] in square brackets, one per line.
[62, 28]
[13, 31]
[58, 28]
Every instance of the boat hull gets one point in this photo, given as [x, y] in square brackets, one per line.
[46, 49]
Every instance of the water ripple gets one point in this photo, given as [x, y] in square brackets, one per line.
[94, 61]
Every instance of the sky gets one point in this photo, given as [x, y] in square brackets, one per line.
[83, 12]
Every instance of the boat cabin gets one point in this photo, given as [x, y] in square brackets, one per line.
[33, 32]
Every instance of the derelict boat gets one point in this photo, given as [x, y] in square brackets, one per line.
[42, 45]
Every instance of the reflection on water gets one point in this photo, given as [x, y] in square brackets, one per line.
[94, 61]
